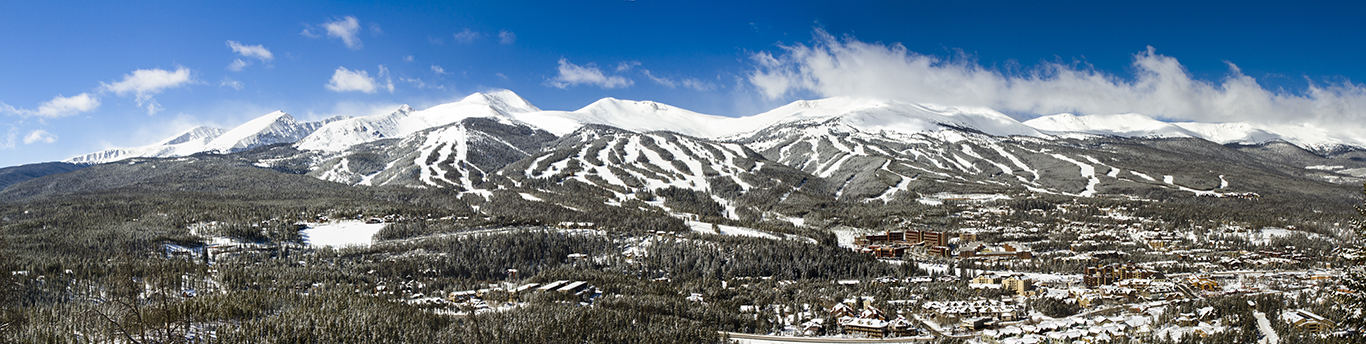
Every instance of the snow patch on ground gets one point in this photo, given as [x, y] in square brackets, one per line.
[1142, 175]
[1087, 171]
[1268, 333]
[348, 233]
[939, 198]
[706, 228]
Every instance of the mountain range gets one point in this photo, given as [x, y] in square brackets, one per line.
[837, 149]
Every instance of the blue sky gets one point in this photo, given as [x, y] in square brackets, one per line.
[78, 77]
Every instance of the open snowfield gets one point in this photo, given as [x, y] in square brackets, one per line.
[704, 227]
[338, 234]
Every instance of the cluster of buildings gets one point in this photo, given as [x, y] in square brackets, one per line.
[895, 244]
[972, 315]
[934, 244]
[862, 319]
[1109, 274]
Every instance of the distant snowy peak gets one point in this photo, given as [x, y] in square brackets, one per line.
[504, 101]
[341, 134]
[1124, 125]
[1231, 132]
[865, 114]
[186, 143]
[500, 105]
[200, 135]
[272, 128]
[875, 116]
[644, 116]
[1137, 125]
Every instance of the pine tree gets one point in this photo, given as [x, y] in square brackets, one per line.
[1355, 302]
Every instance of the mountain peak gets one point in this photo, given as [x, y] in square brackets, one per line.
[268, 129]
[199, 134]
[614, 104]
[502, 100]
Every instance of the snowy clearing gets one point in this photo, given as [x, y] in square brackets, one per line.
[348, 233]
[939, 198]
[704, 227]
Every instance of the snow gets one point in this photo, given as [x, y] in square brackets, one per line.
[500, 105]
[186, 143]
[870, 115]
[1142, 175]
[939, 198]
[1125, 125]
[1138, 125]
[1324, 167]
[1270, 336]
[1087, 171]
[272, 128]
[845, 236]
[706, 228]
[346, 233]
[863, 114]
[1265, 236]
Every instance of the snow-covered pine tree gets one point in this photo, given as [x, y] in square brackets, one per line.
[1355, 281]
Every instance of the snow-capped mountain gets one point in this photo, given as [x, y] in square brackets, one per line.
[190, 142]
[866, 114]
[1138, 125]
[272, 128]
[852, 148]
[404, 121]
[462, 155]
[1124, 125]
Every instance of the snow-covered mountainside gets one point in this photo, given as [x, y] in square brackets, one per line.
[190, 142]
[1138, 125]
[1125, 125]
[405, 121]
[843, 148]
[464, 156]
[272, 128]
[866, 114]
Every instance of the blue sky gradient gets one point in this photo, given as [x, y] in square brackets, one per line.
[696, 55]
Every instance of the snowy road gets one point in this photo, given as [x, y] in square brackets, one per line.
[1270, 336]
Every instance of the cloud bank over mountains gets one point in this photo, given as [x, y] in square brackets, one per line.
[1160, 86]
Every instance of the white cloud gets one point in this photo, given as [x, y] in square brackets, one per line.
[388, 79]
[627, 65]
[572, 75]
[506, 37]
[346, 80]
[258, 51]
[466, 36]
[408, 58]
[11, 138]
[230, 83]
[347, 29]
[237, 65]
[60, 106]
[438, 70]
[1160, 86]
[146, 83]
[39, 136]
